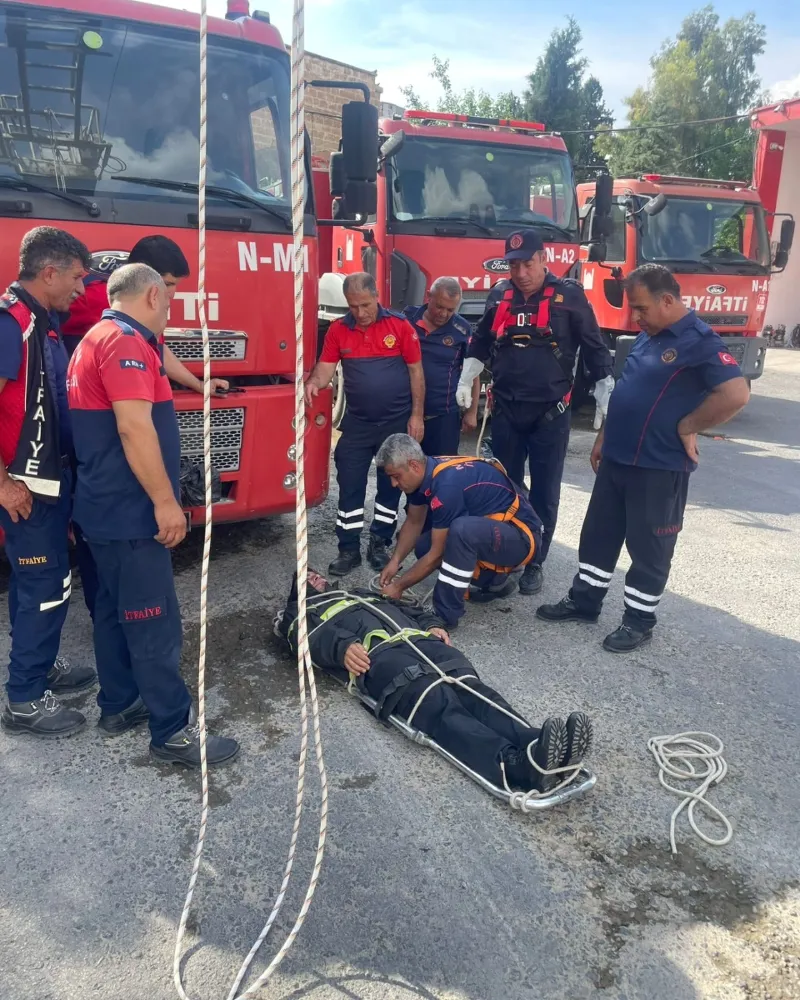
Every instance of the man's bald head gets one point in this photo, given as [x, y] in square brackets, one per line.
[139, 292]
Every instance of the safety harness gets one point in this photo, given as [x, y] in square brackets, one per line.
[509, 516]
[524, 335]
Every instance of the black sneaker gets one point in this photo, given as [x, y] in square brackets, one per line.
[580, 735]
[66, 676]
[627, 638]
[480, 595]
[134, 715]
[550, 749]
[345, 562]
[184, 746]
[45, 718]
[565, 611]
[378, 554]
[532, 580]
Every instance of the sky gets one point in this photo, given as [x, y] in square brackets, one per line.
[494, 48]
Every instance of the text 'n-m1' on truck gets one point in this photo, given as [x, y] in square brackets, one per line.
[99, 135]
[712, 234]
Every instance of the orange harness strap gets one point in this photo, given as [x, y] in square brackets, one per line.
[507, 517]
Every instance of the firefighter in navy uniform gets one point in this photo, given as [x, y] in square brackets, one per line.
[36, 482]
[443, 338]
[385, 388]
[481, 527]
[679, 380]
[529, 336]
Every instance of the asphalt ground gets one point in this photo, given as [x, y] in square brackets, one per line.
[430, 888]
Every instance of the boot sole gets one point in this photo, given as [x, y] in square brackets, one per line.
[478, 596]
[111, 733]
[16, 729]
[168, 758]
[553, 738]
[632, 649]
[580, 736]
[343, 572]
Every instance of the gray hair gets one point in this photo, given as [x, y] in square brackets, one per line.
[449, 286]
[361, 281]
[132, 280]
[399, 449]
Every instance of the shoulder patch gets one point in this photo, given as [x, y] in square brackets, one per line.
[727, 359]
[133, 363]
[462, 325]
[436, 503]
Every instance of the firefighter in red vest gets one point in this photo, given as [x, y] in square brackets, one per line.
[529, 336]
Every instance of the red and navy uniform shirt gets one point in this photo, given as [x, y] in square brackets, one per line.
[470, 489]
[375, 364]
[664, 378]
[12, 398]
[119, 359]
[525, 375]
[443, 353]
[86, 310]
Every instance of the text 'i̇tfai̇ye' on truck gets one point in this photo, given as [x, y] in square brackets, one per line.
[455, 187]
[99, 135]
[712, 234]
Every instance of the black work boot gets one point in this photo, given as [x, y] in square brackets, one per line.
[378, 554]
[347, 560]
[565, 611]
[627, 638]
[550, 750]
[184, 746]
[580, 735]
[480, 595]
[45, 718]
[532, 579]
[66, 676]
[129, 718]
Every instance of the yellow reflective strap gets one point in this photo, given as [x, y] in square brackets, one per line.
[378, 633]
[406, 633]
[347, 602]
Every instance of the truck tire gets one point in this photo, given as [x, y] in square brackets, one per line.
[339, 402]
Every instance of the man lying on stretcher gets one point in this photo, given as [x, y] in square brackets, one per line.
[347, 636]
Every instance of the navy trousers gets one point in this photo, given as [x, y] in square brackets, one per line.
[470, 540]
[544, 444]
[138, 634]
[353, 456]
[38, 592]
[442, 434]
[644, 509]
[86, 568]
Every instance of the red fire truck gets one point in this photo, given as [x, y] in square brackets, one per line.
[712, 235]
[99, 112]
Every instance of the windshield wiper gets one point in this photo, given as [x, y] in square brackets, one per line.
[684, 261]
[459, 222]
[552, 227]
[213, 189]
[21, 184]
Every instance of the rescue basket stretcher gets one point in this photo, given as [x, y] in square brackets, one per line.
[581, 780]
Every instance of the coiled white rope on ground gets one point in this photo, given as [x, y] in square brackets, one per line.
[304, 666]
[692, 757]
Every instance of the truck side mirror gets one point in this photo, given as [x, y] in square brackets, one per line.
[392, 145]
[336, 175]
[603, 192]
[597, 253]
[655, 205]
[359, 160]
[784, 244]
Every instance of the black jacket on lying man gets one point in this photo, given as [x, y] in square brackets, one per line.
[347, 636]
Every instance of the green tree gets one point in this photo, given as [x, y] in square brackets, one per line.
[465, 102]
[706, 71]
[561, 95]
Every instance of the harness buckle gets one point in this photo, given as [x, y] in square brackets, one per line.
[561, 406]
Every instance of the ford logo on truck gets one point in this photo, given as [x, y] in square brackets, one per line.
[106, 261]
[496, 265]
[716, 289]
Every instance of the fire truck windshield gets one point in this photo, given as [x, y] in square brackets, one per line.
[718, 234]
[89, 104]
[458, 181]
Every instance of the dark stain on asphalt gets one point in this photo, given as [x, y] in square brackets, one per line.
[357, 781]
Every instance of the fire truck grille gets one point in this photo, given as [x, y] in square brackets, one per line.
[723, 319]
[224, 349]
[227, 427]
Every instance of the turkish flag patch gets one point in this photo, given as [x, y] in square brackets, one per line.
[727, 359]
[436, 503]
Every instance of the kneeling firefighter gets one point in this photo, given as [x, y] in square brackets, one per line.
[529, 336]
[481, 526]
[349, 635]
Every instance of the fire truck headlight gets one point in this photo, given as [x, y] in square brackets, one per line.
[289, 481]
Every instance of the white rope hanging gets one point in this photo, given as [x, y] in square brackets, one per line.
[305, 671]
[695, 757]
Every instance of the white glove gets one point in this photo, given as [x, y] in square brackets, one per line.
[602, 393]
[471, 370]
